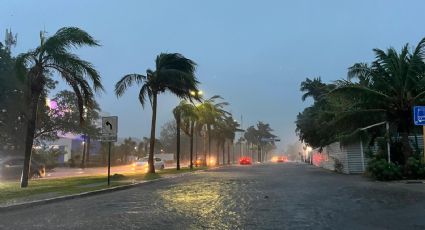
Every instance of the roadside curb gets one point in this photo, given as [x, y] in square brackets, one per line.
[90, 193]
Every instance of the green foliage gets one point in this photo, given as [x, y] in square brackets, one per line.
[47, 156]
[173, 73]
[384, 90]
[414, 168]
[380, 169]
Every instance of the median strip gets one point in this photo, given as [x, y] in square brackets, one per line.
[50, 190]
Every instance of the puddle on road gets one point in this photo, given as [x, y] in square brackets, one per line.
[210, 204]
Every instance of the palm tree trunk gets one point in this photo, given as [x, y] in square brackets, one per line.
[228, 153]
[209, 142]
[178, 141]
[224, 151]
[152, 140]
[32, 118]
[407, 149]
[204, 143]
[191, 145]
[83, 159]
[88, 150]
[259, 153]
[217, 160]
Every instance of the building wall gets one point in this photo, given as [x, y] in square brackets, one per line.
[350, 155]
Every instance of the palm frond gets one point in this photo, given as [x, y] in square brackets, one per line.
[68, 37]
[127, 81]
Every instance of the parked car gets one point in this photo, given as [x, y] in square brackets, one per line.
[143, 163]
[245, 161]
[11, 168]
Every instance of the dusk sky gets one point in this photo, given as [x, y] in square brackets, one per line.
[252, 53]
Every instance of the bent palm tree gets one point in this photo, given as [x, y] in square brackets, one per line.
[53, 55]
[173, 73]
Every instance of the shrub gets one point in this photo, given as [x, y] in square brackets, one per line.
[380, 169]
[414, 168]
[338, 165]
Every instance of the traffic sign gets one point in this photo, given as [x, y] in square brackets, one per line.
[419, 115]
[109, 129]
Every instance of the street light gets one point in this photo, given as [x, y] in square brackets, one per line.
[196, 93]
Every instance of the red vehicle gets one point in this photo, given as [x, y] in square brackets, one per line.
[245, 161]
[282, 159]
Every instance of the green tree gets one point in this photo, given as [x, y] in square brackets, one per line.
[185, 115]
[53, 55]
[173, 73]
[209, 113]
[258, 135]
[126, 149]
[387, 89]
[231, 127]
[11, 103]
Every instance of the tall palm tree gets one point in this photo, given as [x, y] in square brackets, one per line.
[188, 113]
[210, 112]
[185, 115]
[231, 127]
[218, 134]
[174, 73]
[54, 55]
[388, 88]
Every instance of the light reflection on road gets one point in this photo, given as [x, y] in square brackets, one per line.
[209, 204]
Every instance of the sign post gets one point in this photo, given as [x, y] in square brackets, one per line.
[419, 119]
[109, 134]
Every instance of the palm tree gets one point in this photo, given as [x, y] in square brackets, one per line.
[53, 55]
[184, 113]
[314, 88]
[218, 134]
[387, 89]
[209, 113]
[173, 73]
[231, 127]
[188, 116]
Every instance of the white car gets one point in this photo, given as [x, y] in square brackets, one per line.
[143, 163]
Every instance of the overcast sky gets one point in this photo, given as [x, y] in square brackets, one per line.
[252, 53]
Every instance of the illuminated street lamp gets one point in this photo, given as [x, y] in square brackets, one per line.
[196, 93]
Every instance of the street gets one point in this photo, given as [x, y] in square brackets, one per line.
[267, 196]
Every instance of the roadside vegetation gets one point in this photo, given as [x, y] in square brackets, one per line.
[10, 192]
[32, 116]
[385, 90]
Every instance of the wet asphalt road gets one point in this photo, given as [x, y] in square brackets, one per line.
[279, 196]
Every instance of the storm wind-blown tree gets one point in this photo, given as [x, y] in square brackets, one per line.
[187, 113]
[387, 89]
[210, 112]
[11, 104]
[257, 135]
[53, 56]
[173, 73]
[231, 127]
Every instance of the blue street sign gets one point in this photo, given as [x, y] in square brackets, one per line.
[419, 115]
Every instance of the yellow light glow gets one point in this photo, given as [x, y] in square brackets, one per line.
[212, 161]
[48, 102]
